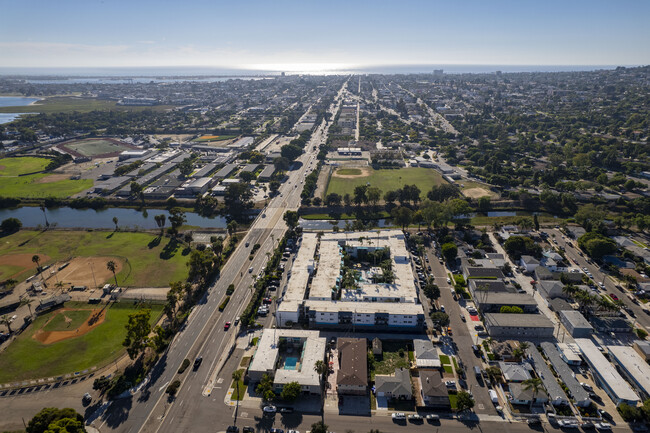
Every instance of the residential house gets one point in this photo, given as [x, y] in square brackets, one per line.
[515, 371]
[550, 289]
[352, 377]
[397, 386]
[426, 356]
[433, 390]
[528, 263]
[521, 395]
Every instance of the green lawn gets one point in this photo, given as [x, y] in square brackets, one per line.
[240, 385]
[59, 323]
[453, 400]
[388, 180]
[93, 147]
[37, 186]
[348, 171]
[27, 358]
[25, 164]
[57, 104]
[146, 263]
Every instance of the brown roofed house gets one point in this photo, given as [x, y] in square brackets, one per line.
[352, 376]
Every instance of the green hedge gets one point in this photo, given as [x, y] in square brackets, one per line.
[223, 304]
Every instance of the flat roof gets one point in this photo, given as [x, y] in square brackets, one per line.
[365, 307]
[302, 268]
[633, 365]
[576, 319]
[566, 374]
[226, 170]
[570, 351]
[267, 352]
[518, 320]
[505, 298]
[606, 371]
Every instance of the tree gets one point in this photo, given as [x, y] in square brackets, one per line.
[534, 384]
[237, 199]
[50, 416]
[402, 216]
[333, 199]
[200, 264]
[596, 245]
[629, 413]
[281, 163]
[136, 188]
[484, 203]
[274, 186]
[536, 222]
[28, 302]
[290, 391]
[464, 401]
[443, 192]
[517, 246]
[42, 207]
[115, 220]
[418, 217]
[265, 388]
[449, 251]
[247, 176]
[319, 427]
[374, 195]
[6, 320]
[291, 218]
[111, 266]
[431, 291]
[236, 377]
[36, 259]
[186, 167]
[176, 219]
[290, 151]
[160, 222]
[360, 196]
[440, 319]
[232, 227]
[137, 332]
[10, 225]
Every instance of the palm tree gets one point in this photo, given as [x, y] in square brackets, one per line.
[59, 285]
[37, 260]
[42, 206]
[5, 320]
[535, 384]
[115, 222]
[160, 222]
[28, 302]
[112, 267]
[236, 376]
[321, 368]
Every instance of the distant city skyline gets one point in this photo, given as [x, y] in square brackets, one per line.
[299, 36]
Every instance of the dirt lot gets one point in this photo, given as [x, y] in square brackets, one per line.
[95, 319]
[477, 192]
[363, 172]
[19, 260]
[80, 272]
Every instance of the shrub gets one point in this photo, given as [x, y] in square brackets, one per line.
[230, 290]
[223, 304]
[184, 365]
[172, 389]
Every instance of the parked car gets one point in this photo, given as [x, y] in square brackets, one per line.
[232, 429]
[286, 410]
[603, 426]
[414, 417]
[398, 416]
[248, 429]
[613, 296]
[432, 417]
[270, 409]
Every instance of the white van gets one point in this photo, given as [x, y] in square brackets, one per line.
[493, 396]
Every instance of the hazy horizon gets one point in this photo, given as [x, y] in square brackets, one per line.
[298, 36]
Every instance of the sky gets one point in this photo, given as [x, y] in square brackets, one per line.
[320, 35]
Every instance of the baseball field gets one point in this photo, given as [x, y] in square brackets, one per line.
[141, 260]
[69, 339]
[344, 180]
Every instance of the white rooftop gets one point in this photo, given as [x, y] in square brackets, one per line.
[571, 351]
[635, 366]
[303, 266]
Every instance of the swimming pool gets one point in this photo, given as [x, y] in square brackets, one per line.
[290, 363]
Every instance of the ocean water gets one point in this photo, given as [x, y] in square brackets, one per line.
[13, 101]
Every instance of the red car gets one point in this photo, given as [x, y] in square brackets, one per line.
[613, 296]
[226, 326]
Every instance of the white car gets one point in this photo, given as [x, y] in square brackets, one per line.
[270, 409]
[398, 415]
[603, 426]
[432, 417]
[448, 281]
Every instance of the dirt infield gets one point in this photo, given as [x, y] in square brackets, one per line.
[95, 319]
[364, 172]
[81, 269]
[20, 260]
[477, 192]
[52, 178]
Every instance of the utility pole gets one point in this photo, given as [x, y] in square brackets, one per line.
[92, 269]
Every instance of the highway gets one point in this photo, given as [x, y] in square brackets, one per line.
[201, 391]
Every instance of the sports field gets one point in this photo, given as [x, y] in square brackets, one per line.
[36, 185]
[67, 104]
[142, 261]
[94, 147]
[344, 180]
[210, 138]
[473, 189]
[87, 346]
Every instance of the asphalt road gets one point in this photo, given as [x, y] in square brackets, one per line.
[462, 336]
[571, 250]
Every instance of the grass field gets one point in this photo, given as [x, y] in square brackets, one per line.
[472, 189]
[387, 180]
[147, 263]
[75, 319]
[348, 171]
[35, 185]
[18, 166]
[58, 104]
[94, 147]
[27, 358]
